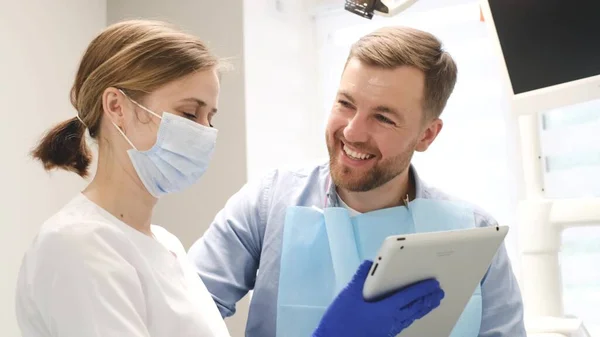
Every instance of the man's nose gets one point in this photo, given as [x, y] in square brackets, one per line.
[357, 129]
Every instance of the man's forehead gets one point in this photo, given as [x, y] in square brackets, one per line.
[377, 80]
[383, 77]
[400, 89]
[383, 83]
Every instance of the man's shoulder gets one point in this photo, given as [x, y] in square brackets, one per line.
[293, 186]
[306, 171]
[482, 217]
[301, 176]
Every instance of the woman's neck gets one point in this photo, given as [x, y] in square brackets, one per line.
[120, 192]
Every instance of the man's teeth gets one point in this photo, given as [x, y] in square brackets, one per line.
[356, 155]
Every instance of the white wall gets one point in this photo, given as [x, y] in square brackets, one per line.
[42, 42]
[285, 122]
[219, 23]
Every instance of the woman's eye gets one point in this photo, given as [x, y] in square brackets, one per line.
[189, 115]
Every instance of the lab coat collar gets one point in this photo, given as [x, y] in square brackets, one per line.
[151, 248]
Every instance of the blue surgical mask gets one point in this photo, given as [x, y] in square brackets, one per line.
[179, 157]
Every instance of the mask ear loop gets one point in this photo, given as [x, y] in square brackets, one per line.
[140, 106]
[123, 134]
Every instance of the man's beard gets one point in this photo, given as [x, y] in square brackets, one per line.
[349, 179]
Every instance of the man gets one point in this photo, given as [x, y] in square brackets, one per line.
[395, 84]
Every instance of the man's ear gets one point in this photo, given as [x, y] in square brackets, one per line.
[114, 104]
[429, 134]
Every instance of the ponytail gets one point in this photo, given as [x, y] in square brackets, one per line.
[64, 147]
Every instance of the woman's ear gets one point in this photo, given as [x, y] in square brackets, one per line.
[115, 104]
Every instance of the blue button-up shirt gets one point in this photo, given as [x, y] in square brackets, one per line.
[241, 251]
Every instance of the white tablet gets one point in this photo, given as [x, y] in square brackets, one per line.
[458, 259]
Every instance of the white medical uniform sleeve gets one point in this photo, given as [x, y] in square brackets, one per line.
[227, 256]
[502, 301]
[84, 284]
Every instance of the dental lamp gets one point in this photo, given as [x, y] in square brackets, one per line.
[368, 8]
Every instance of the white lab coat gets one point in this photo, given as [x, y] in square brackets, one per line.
[89, 274]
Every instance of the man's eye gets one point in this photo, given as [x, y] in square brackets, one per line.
[345, 104]
[189, 115]
[384, 119]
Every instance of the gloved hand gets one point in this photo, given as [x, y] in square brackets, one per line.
[351, 316]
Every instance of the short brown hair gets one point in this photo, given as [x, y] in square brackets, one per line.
[392, 47]
[136, 56]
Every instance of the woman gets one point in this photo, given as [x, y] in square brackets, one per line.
[147, 93]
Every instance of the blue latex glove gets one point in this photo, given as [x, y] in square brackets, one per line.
[351, 316]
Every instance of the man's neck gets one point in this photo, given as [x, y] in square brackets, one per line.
[391, 194]
[119, 193]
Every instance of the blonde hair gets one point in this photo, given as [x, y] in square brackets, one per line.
[136, 56]
[392, 47]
